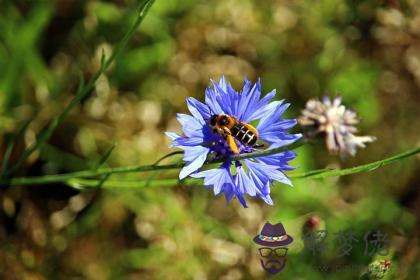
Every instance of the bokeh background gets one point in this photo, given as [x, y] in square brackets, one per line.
[366, 51]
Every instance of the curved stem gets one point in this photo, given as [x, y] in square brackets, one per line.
[323, 173]
[136, 168]
[168, 156]
[315, 174]
[74, 179]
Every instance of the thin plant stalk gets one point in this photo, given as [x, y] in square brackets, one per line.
[72, 178]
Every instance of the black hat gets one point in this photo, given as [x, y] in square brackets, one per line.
[273, 235]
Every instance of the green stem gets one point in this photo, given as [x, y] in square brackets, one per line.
[168, 156]
[79, 183]
[136, 168]
[315, 174]
[74, 179]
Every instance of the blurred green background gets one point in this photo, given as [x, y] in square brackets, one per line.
[366, 51]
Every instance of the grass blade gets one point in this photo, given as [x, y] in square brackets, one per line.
[101, 161]
[84, 90]
[105, 157]
[11, 145]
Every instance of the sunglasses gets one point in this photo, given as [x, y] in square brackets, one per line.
[267, 252]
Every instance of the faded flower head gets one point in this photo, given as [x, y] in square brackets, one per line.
[236, 178]
[331, 118]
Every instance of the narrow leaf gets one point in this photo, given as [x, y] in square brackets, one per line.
[104, 157]
[84, 90]
[11, 145]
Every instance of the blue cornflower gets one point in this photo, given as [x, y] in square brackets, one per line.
[235, 178]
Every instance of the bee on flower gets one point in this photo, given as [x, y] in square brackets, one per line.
[337, 123]
[232, 123]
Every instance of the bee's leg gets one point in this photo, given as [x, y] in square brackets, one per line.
[232, 144]
[230, 140]
[226, 131]
[257, 146]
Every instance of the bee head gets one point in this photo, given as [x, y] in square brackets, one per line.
[219, 120]
[223, 120]
[213, 120]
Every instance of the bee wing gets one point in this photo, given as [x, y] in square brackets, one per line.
[232, 144]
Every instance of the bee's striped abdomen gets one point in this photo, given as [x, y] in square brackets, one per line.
[243, 134]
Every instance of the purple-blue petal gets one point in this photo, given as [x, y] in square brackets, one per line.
[172, 135]
[245, 185]
[248, 101]
[279, 160]
[267, 199]
[211, 101]
[196, 156]
[187, 141]
[190, 125]
[267, 172]
[241, 199]
[219, 177]
[229, 193]
[226, 96]
[273, 115]
[262, 107]
[283, 140]
[199, 110]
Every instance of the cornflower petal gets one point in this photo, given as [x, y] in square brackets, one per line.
[199, 110]
[253, 177]
[195, 156]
